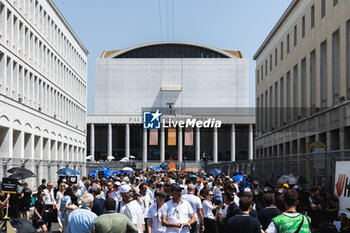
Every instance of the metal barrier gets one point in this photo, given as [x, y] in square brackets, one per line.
[317, 168]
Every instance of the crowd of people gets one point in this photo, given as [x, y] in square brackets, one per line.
[154, 202]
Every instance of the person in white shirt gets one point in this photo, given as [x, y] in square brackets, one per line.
[154, 220]
[209, 218]
[132, 208]
[146, 202]
[50, 204]
[177, 214]
[199, 185]
[210, 182]
[196, 205]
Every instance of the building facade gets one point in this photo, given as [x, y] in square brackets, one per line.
[43, 70]
[303, 81]
[180, 80]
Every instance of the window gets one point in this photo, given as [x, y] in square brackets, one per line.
[281, 50]
[257, 76]
[303, 27]
[276, 57]
[335, 2]
[348, 58]
[270, 62]
[336, 66]
[270, 109]
[323, 72]
[323, 8]
[288, 43]
[281, 101]
[312, 89]
[312, 16]
[288, 87]
[295, 35]
[303, 87]
[262, 72]
[265, 67]
[276, 104]
[295, 91]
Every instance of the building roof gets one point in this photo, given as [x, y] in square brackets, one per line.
[225, 53]
[54, 7]
[280, 22]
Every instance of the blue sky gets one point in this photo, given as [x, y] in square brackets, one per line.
[117, 24]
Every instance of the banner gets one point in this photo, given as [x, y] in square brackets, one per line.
[342, 186]
[153, 137]
[171, 137]
[189, 136]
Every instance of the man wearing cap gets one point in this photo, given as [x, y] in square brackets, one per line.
[196, 205]
[177, 214]
[199, 185]
[98, 207]
[116, 193]
[131, 208]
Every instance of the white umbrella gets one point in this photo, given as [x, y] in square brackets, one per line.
[127, 169]
[110, 158]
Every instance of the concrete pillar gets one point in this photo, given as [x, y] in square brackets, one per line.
[251, 142]
[233, 143]
[179, 145]
[144, 146]
[92, 141]
[10, 142]
[215, 145]
[198, 145]
[162, 144]
[110, 140]
[127, 140]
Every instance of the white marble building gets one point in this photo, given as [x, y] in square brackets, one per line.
[194, 79]
[43, 70]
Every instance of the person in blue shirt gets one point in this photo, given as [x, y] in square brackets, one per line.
[81, 220]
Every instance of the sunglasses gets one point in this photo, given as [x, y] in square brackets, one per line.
[211, 195]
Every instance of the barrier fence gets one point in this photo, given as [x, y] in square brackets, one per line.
[317, 168]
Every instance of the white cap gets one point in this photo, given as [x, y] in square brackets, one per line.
[64, 181]
[247, 190]
[117, 183]
[137, 178]
[124, 188]
[126, 179]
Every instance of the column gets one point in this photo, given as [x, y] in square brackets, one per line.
[144, 144]
[215, 145]
[127, 140]
[162, 144]
[233, 143]
[109, 140]
[198, 145]
[92, 141]
[10, 142]
[179, 145]
[251, 142]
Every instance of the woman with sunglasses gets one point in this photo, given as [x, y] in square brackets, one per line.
[208, 208]
[38, 218]
[154, 219]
